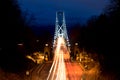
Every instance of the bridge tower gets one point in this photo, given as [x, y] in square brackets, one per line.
[60, 29]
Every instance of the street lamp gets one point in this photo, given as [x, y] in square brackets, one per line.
[28, 75]
[76, 44]
[46, 44]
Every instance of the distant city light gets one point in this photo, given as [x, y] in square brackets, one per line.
[27, 73]
[20, 44]
[46, 44]
[76, 43]
[37, 40]
[80, 59]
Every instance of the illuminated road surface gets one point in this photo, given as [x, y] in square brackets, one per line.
[40, 72]
[73, 71]
[62, 68]
[44, 72]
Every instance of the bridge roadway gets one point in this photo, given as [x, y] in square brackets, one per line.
[40, 72]
[73, 71]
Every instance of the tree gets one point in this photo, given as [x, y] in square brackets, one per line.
[12, 32]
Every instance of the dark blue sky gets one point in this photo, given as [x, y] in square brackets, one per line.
[75, 10]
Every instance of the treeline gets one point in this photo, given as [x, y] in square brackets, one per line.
[101, 35]
[17, 39]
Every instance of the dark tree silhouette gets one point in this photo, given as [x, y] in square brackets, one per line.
[101, 35]
[13, 31]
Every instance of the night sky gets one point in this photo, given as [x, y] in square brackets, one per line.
[76, 11]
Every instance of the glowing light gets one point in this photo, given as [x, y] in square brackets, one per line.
[27, 73]
[62, 68]
[58, 71]
[76, 43]
[29, 57]
[46, 44]
[20, 44]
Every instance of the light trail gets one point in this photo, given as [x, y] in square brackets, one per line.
[58, 71]
[62, 68]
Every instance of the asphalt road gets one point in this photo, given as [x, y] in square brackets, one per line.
[73, 71]
[40, 72]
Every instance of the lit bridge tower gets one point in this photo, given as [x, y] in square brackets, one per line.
[60, 29]
[61, 49]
